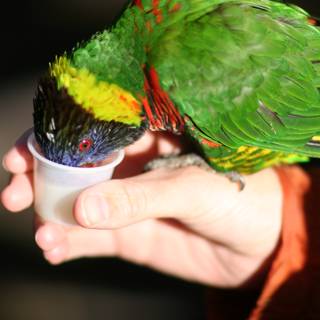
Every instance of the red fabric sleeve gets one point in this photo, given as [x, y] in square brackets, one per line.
[292, 287]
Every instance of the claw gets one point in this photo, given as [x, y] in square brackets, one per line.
[234, 176]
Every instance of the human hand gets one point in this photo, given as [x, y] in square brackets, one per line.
[187, 222]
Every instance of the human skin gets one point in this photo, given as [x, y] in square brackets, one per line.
[187, 222]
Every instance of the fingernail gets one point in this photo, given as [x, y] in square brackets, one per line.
[95, 210]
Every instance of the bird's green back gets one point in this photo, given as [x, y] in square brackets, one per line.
[245, 74]
[240, 77]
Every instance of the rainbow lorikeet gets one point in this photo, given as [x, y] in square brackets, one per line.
[241, 78]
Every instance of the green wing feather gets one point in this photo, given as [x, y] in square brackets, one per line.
[245, 73]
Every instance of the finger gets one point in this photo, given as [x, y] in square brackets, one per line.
[169, 143]
[52, 239]
[63, 244]
[156, 243]
[18, 195]
[56, 255]
[150, 146]
[18, 159]
[155, 143]
[49, 236]
[160, 193]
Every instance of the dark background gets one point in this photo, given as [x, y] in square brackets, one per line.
[32, 33]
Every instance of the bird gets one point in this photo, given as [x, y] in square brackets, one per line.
[239, 78]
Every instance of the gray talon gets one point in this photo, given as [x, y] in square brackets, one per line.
[175, 162]
[191, 159]
[236, 177]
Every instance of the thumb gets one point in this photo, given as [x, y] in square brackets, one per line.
[156, 194]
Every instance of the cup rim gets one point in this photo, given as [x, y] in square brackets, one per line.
[31, 141]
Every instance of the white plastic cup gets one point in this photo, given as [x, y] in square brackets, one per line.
[57, 186]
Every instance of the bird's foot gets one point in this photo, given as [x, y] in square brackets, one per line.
[191, 159]
[236, 177]
[177, 161]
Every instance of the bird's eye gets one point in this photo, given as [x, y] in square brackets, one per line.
[85, 145]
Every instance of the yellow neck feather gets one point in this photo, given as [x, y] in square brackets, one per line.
[104, 100]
